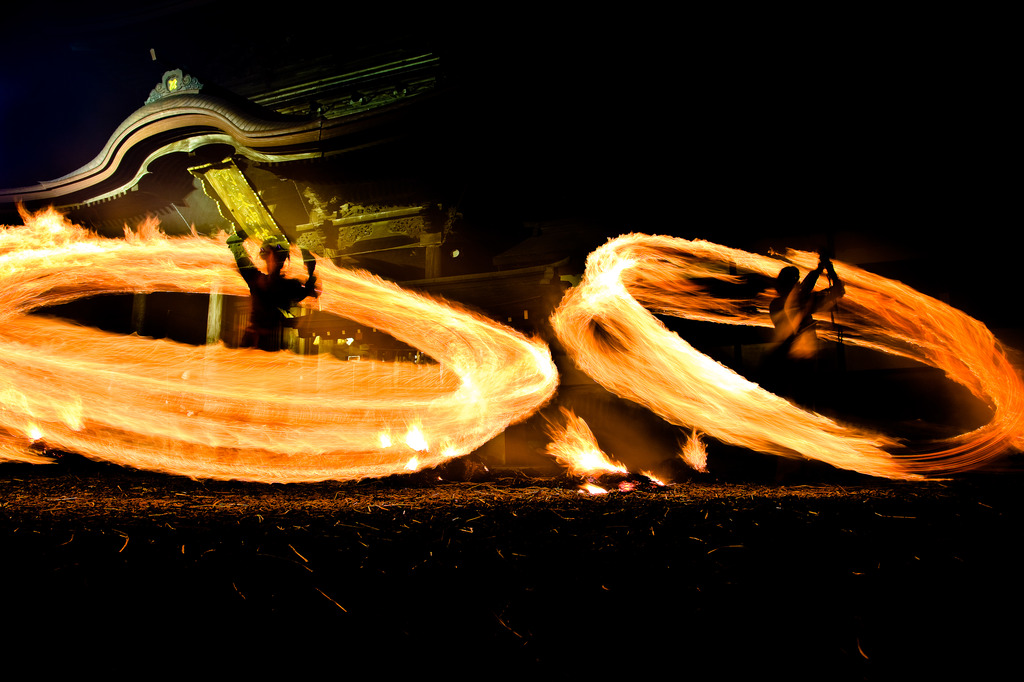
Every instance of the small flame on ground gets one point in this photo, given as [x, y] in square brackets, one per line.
[652, 478]
[593, 489]
[694, 453]
[574, 446]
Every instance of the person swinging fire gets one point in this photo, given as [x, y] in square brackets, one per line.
[271, 293]
[792, 310]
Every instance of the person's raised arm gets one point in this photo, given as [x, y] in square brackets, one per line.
[310, 286]
[242, 260]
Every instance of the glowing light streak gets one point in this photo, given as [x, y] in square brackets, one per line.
[215, 412]
[608, 327]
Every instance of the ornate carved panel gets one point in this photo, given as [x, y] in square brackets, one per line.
[237, 201]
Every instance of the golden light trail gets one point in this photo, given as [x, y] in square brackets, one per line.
[215, 412]
[607, 325]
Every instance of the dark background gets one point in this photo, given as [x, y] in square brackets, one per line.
[738, 126]
[889, 121]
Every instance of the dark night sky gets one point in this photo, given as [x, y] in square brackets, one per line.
[767, 123]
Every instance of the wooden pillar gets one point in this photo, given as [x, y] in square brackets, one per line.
[214, 317]
[432, 266]
[138, 312]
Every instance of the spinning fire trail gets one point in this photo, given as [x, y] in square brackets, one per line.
[606, 326]
[216, 412]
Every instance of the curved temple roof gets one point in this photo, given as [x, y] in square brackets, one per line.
[183, 123]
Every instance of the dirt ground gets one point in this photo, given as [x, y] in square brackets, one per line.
[828, 579]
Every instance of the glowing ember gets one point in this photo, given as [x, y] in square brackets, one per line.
[217, 412]
[694, 453]
[605, 325]
[652, 478]
[593, 489]
[573, 445]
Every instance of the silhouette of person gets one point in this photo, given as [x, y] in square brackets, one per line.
[792, 367]
[792, 310]
[271, 293]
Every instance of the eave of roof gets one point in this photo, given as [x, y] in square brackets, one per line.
[186, 122]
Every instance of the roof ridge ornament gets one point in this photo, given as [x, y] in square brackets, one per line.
[174, 82]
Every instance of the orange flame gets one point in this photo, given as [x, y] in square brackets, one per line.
[216, 412]
[573, 445]
[694, 452]
[605, 327]
[650, 475]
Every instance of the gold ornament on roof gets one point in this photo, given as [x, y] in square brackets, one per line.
[174, 82]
